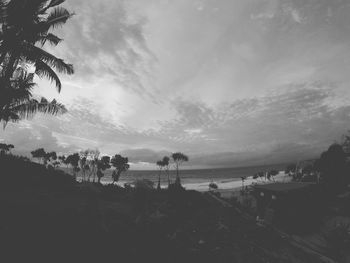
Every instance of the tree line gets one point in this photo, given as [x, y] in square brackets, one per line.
[89, 163]
[92, 166]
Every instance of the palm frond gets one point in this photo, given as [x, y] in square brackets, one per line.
[34, 53]
[31, 107]
[3, 11]
[44, 71]
[7, 115]
[51, 38]
[58, 17]
[23, 24]
[54, 3]
[51, 4]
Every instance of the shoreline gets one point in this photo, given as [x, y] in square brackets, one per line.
[225, 185]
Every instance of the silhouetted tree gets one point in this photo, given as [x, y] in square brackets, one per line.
[61, 159]
[83, 167]
[243, 178]
[88, 163]
[50, 158]
[291, 169]
[40, 154]
[102, 165]
[73, 160]
[178, 158]
[5, 148]
[271, 174]
[333, 168]
[166, 165]
[258, 175]
[346, 143]
[121, 165]
[25, 28]
[160, 165]
[93, 157]
[213, 186]
[55, 164]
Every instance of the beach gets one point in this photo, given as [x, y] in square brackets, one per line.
[228, 180]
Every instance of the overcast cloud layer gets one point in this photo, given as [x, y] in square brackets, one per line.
[230, 83]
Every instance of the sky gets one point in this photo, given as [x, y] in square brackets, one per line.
[228, 82]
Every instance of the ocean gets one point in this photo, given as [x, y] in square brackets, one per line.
[194, 179]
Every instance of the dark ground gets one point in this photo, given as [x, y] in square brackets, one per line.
[46, 216]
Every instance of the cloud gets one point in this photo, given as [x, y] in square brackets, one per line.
[293, 122]
[228, 82]
[27, 137]
[105, 38]
[302, 114]
[144, 155]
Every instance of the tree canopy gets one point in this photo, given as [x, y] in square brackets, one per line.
[5, 148]
[333, 168]
[121, 165]
[25, 27]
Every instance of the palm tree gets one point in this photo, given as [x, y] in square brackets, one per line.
[243, 178]
[82, 164]
[102, 165]
[25, 27]
[92, 160]
[160, 165]
[178, 158]
[166, 164]
[121, 165]
[73, 160]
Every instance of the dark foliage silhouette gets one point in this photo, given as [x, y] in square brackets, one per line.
[271, 174]
[102, 165]
[39, 154]
[178, 159]
[6, 148]
[121, 165]
[333, 168]
[73, 160]
[160, 165]
[166, 165]
[26, 26]
[291, 169]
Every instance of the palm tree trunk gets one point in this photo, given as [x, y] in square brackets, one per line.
[158, 187]
[177, 181]
[167, 171]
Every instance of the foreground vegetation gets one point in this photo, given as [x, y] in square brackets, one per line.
[45, 212]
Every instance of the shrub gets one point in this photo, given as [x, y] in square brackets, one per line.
[213, 186]
[143, 184]
[128, 186]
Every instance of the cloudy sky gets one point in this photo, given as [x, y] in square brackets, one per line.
[229, 82]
